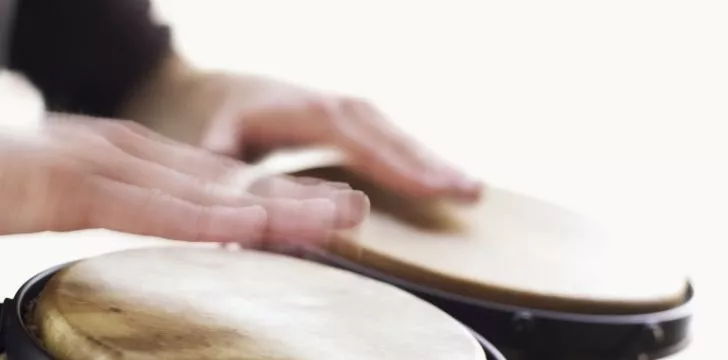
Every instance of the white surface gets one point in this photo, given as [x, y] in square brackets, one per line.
[20, 98]
[615, 109]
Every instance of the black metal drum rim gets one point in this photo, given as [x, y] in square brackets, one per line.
[13, 310]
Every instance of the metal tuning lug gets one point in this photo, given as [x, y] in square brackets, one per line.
[3, 305]
[523, 326]
[648, 337]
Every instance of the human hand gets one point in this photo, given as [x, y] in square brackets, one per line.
[77, 173]
[248, 116]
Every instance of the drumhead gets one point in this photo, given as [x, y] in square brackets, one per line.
[193, 303]
[513, 249]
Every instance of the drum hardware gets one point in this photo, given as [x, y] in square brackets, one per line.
[545, 335]
[525, 338]
[648, 336]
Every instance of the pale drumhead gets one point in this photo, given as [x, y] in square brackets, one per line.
[191, 303]
[517, 250]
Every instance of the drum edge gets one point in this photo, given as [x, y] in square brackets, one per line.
[540, 332]
[18, 343]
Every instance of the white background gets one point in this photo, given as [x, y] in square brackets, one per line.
[615, 108]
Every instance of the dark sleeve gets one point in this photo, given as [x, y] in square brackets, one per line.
[86, 55]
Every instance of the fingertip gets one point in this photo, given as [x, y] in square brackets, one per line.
[454, 184]
[352, 208]
[456, 187]
[468, 190]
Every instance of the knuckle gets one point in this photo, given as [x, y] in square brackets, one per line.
[329, 112]
[320, 107]
[340, 112]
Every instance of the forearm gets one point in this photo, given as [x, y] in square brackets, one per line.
[87, 56]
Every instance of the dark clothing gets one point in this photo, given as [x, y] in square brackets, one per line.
[86, 55]
[7, 12]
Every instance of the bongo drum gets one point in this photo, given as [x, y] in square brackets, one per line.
[528, 275]
[200, 303]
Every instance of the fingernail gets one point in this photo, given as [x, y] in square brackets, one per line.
[352, 207]
[439, 176]
[468, 187]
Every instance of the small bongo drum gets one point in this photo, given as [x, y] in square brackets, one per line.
[529, 276]
[199, 303]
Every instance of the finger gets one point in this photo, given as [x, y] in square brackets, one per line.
[306, 180]
[300, 220]
[351, 206]
[325, 122]
[138, 141]
[294, 221]
[310, 221]
[290, 187]
[393, 157]
[375, 126]
[121, 167]
[307, 219]
[372, 156]
[123, 207]
[143, 143]
[128, 208]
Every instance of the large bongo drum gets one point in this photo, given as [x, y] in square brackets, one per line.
[200, 303]
[530, 276]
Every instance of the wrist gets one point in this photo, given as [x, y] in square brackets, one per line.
[164, 99]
